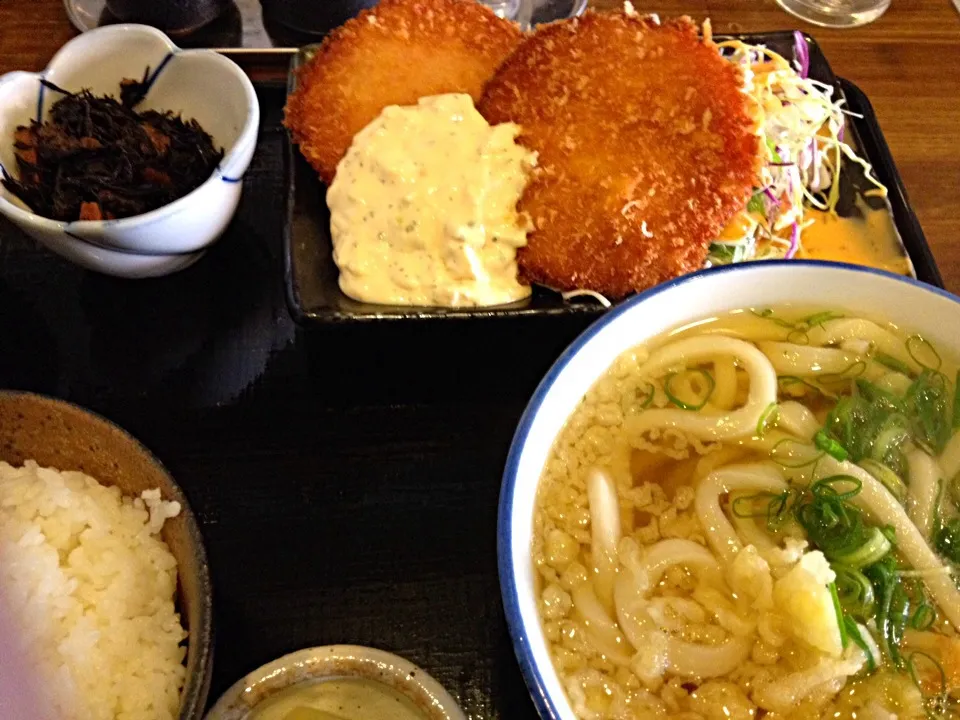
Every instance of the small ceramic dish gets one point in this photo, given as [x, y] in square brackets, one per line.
[58, 434]
[199, 84]
[120, 263]
[336, 662]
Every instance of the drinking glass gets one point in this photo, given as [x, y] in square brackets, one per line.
[836, 13]
[520, 11]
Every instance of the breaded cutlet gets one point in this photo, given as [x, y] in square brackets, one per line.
[392, 54]
[646, 149]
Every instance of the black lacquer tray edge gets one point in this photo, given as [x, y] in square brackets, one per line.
[867, 132]
[875, 147]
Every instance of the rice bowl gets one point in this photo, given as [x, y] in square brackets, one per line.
[92, 585]
[103, 567]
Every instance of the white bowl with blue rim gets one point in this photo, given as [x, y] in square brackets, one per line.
[199, 84]
[932, 312]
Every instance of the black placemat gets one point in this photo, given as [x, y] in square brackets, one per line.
[346, 482]
[346, 479]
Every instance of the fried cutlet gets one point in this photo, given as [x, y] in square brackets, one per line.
[392, 54]
[646, 149]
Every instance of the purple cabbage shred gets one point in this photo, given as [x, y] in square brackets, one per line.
[802, 53]
[794, 241]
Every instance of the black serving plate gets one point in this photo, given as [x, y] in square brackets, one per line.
[872, 144]
[314, 296]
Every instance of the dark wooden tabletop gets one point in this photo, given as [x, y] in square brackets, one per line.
[347, 480]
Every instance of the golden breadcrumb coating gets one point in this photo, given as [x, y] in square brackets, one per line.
[646, 149]
[392, 54]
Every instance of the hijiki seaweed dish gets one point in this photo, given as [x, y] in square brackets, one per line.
[98, 158]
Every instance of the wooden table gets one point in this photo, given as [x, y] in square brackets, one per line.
[906, 62]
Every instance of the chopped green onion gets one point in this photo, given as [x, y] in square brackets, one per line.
[899, 616]
[876, 395]
[841, 625]
[830, 446]
[711, 385]
[854, 370]
[947, 540]
[784, 382]
[771, 412]
[893, 363]
[646, 400]
[955, 491]
[856, 634]
[836, 527]
[767, 314]
[779, 448]
[778, 509]
[875, 546]
[855, 592]
[890, 533]
[851, 423]
[873, 423]
[775, 507]
[828, 487]
[923, 617]
[936, 700]
[927, 410]
[821, 317]
[923, 353]
[883, 577]
[798, 336]
[887, 477]
[891, 438]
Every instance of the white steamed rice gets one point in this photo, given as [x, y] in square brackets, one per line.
[92, 586]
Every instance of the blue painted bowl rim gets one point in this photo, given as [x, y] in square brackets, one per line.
[532, 675]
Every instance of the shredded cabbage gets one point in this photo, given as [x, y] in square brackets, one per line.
[801, 126]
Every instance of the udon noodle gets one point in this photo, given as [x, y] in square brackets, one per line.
[758, 516]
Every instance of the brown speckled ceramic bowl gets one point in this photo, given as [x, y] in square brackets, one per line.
[63, 436]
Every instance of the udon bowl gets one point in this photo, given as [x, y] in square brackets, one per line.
[932, 312]
[58, 434]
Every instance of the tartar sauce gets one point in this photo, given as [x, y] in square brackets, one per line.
[423, 208]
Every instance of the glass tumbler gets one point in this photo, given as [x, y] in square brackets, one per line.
[520, 11]
[836, 13]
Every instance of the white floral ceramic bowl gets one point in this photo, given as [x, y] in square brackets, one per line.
[199, 84]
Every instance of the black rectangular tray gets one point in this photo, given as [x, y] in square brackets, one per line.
[315, 298]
